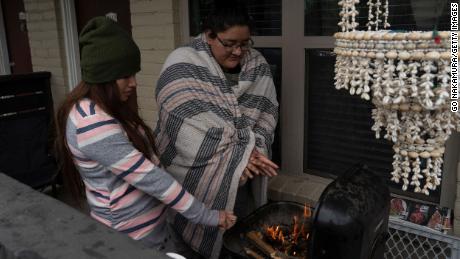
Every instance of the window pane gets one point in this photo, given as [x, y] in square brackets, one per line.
[266, 14]
[273, 57]
[338, 127]
[322, 16]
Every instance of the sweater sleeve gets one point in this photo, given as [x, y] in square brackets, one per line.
[102, 139]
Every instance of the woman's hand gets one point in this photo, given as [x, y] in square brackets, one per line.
[260, 165]
[226, 219]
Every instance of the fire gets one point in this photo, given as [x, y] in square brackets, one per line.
[290, 239]
[306, 211]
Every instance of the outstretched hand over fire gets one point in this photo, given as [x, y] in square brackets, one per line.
[226, 219]
[259, 164]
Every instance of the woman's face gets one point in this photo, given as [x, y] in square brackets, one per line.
[126, 86]
[230, 46]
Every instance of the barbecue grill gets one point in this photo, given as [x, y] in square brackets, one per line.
[350, 221]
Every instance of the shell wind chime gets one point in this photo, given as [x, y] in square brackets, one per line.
[406, 75]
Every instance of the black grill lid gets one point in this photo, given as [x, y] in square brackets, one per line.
[351, 217]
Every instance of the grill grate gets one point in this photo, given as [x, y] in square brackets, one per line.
[411, 241]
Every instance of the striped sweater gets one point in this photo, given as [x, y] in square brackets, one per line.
[124, 189]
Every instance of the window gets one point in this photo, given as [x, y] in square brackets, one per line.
[266, 15]
[322, 16]
[324, 131]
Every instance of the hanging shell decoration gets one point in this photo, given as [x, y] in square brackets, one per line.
[406, 75]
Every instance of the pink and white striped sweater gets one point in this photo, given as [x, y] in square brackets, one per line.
[124, 189]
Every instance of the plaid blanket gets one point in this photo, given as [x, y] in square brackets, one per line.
[208, 127]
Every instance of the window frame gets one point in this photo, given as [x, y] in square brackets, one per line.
[293, 86]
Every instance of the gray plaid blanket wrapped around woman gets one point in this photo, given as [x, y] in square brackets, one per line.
[208, 127]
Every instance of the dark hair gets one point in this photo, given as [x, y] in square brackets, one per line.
[106, 96]
[226, 14]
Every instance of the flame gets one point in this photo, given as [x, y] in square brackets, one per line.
[306, 211]
[295, 231]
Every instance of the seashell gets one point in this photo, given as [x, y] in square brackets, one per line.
[403, 153]
[379, 46]
[396, 149]
[409, 46]
[355, 53]
[414, 36]
[399, 46]
[444, 34]
[391, 54]
[388, 36]
[400, 36]
[395, 106]
[429, 148]
[371, 55]
[420, 141]
[432, 55]
[435, 154]
[442, 149]
[413, 154]
[359, 36]
[427, 35]
[404, 107]
[404, 55]
[370, 45]
[366, 36]
[380, 55]
[425, 154]
[416, 107]
[376, 36]
[363, 54]
[430, 141]
[445, 55]
[422, 45]
[417, 55]
[362, 45]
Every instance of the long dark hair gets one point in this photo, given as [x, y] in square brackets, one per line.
[106, 96]
[226, 14]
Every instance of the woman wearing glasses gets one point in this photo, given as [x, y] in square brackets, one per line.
[218, 112]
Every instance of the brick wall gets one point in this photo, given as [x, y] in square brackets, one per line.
[46, 43]
[155, 29]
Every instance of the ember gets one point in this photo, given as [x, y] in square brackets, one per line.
[290, 240]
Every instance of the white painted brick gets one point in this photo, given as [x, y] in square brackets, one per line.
[146, 102]
[51, 43]
[45, 35]
[148, 115]
[48, 26]
[45, 5]
[146, 91]
[33, 17]
[157, 32]
[153, 18]
[155, 44]
[30, 6]
[151, 67]
[39, 52]
[146, 78]
[150, 6]
[49, 15]
[54, 53]
[155, 56]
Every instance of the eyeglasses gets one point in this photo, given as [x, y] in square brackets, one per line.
[230, 47]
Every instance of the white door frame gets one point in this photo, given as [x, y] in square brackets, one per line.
[72, 51]
[4, 58]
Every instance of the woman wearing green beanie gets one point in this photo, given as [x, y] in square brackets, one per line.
[108, 150]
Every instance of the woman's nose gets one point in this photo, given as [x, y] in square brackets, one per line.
[132, 81]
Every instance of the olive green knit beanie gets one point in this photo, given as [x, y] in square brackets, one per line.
[107, 52]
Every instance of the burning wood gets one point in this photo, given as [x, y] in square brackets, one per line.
[288, 241]
[252, 253]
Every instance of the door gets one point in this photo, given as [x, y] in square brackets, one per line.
[17, 39]
[117, 9]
